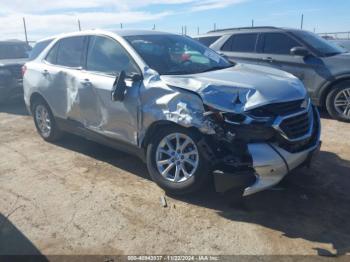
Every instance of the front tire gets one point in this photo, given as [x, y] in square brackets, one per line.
[176, 162]
[45, 122]
[338, 102]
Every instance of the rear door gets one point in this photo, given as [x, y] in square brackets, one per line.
[241, 48]
[61, 74]
[105, 59]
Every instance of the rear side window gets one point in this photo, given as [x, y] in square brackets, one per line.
[241, 43]
[107, 56]
[208, 40]
[70, 52]
[277, 43]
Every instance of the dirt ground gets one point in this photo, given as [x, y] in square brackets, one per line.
[78, 197]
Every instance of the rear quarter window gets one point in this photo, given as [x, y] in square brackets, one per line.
[52, 55]
[208, 40]
[38, 48]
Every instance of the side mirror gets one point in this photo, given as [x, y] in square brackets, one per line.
[119, 87]
[299, 51]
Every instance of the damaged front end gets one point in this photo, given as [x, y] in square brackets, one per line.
[260, 128]
[267, 143]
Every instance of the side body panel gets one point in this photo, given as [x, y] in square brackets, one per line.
[114, 119]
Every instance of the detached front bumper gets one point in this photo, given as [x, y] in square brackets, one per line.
[272, 163]
[292, 143]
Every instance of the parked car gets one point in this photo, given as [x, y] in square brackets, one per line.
[323, 67]
[13, 55]
[143, 93]
[342, 43]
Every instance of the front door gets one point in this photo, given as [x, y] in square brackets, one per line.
[274, 51]
[105, 59]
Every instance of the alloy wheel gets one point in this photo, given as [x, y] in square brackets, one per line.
[342, 103]
[43, 120]
[177, 157]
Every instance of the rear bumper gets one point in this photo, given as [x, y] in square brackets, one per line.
[272, 163]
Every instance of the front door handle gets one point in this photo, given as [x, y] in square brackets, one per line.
[45, 72]
[268, 59]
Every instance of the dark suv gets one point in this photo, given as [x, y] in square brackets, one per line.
[13, 55]
[321, 65]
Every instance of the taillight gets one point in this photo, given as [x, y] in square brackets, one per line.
[24, 69]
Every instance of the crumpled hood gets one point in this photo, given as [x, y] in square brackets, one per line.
[241, 88]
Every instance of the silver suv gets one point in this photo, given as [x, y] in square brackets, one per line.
[178, 105]
[322, 66]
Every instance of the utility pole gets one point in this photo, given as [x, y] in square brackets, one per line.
[79, 26]
[214, 26]
[121, 25]
[185, 29]
[154, 27]
[198, 30]
[25, 29]
[302, 21]
[252, 22]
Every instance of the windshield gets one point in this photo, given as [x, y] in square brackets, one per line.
[176, 55]
[13, 51]
[343, 44]
[319, 44]
[40, 46]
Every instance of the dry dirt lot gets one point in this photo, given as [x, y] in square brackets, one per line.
[77, 197]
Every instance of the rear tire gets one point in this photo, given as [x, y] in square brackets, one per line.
[45, 121]
[185, 169]
[338, 102]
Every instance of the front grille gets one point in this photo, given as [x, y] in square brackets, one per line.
[277, 109]
[297, 126]
[16, 71]
[303, 144]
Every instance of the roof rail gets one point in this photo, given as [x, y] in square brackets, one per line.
[242, 28]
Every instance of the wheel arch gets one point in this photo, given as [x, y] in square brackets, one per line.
[154, 127]
[36, 96]
[327, 87]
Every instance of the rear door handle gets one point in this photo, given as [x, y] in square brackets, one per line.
[86, 82]
[45, 72]
[268, 59]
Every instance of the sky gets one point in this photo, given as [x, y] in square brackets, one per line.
[45, 18]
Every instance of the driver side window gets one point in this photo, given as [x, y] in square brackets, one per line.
[277, 43]
[107, 56]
